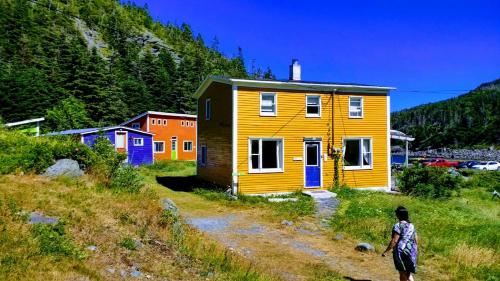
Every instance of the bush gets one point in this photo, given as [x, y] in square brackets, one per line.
[128, 243]
[489, 180]
[167, 217]
[428, 182]
[52, 240]
[127, 179]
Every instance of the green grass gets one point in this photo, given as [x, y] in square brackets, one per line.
[459, 236]
[283, 210]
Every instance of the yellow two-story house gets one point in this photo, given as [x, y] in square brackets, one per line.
[276, 136]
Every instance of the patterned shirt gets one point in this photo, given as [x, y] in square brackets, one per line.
[407, 239]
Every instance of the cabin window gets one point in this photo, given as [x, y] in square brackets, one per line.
[159, 146]
[208, 109]
[203, 157]
[165, 122]
[159, 122]
[191, 124]
[268, 104]
[355, 107]
[357, 153]
[188, 146]
[153, 121]
[265, 155]
[313, 106]
[138, 141]
[136, 126]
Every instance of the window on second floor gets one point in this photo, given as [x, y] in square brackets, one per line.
[164, 122]
[136, 126]
[268, 104]
[313, 106]
[355, 107]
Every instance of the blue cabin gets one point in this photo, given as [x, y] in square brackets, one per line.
[137, 144]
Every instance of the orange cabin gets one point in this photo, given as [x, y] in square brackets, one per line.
[174, 134]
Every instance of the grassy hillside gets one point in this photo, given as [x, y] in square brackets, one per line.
[468, 120]
[111, 56]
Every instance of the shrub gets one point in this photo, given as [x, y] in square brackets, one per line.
[128, 243]
[52, 240]
[167, 217]
[489, 180]
[127, 179]
[428, 182]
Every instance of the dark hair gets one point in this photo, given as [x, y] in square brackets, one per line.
[402, 214]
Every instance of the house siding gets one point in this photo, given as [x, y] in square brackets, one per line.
[164, 133]
[292, 125]
[215, 134]
[137, 155]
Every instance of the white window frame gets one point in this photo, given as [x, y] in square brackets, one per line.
[183, 123]
[191, 124]
[361, 166]
[275, 113]
[153, 121]
[159, 122]
[280, 156]
[361, 105]
[154, 147]
[208, 109]
[184, 146]
[165, 122]
[203, 163]
[136, 125]
[319, 106]
[140, 143]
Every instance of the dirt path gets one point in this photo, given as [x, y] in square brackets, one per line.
[292, 252]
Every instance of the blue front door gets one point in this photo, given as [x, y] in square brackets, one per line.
[313, 164]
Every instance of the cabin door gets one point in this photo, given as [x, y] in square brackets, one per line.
[121, 142]
[312, 164]
[173, 154]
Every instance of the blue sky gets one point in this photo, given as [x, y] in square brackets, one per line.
[429, 50]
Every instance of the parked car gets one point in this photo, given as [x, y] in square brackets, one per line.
[490, 166]
[441, 163]
[467, 164]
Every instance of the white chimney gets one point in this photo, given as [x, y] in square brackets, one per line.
[295, 70]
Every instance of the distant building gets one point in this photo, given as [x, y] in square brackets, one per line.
[174, 134]
[272, 136]
[137, 144]
[30, 127]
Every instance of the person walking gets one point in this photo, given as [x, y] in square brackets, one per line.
[403, 245]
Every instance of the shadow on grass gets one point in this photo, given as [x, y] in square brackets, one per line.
[187, 184]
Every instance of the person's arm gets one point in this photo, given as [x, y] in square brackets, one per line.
[394, 241]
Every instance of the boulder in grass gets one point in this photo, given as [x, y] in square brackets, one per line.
[64, 167]
[365, 247]
[39, 218]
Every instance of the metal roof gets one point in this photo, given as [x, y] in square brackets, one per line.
[94, 130]
[398, 135]
[24, 122]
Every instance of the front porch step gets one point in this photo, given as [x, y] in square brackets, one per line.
[320, 194]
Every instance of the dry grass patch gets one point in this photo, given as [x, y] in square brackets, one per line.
[473, 256]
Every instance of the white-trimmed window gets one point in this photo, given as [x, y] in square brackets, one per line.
[203, 156]
[183, 123]
[159, 146]
[357, 153]
[265, 155]
[159, 122]
[355, 107]
[153, 121]
[313, 106]
[136, 125]
[208, 109]
[191, 124]
[268, 104]
[188, 146]
[164, 122]
[138, 141]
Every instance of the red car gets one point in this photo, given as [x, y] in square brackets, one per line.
[441, 163]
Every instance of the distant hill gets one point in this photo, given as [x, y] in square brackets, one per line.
[108, 61]
[469, 120]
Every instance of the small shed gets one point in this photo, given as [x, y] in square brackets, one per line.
[137, 144]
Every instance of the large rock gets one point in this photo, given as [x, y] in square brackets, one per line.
[64, 167]
[365, 247]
